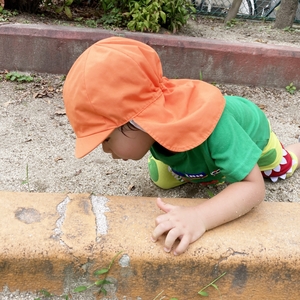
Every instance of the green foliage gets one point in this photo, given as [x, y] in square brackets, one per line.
[6, 14]
[157, 297]
[100, 283]
[231, 23]
[65, 7]
[147, 15]
[203, 293]
[91, 23]
[291, 88]
[113, 18]
[15, 76]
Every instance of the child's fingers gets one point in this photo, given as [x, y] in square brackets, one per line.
[160, 229]
[183, 245]
[171, 237]
[163, 206]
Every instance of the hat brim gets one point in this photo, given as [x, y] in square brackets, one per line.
[87, 144]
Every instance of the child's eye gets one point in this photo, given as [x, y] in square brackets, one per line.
[107, 139]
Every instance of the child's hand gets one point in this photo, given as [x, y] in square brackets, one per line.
[181, 223]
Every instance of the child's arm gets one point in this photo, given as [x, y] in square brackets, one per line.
[189, 223]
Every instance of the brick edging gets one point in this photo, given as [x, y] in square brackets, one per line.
[53, 49]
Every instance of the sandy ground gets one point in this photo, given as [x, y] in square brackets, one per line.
[37, 142]
[36, 137]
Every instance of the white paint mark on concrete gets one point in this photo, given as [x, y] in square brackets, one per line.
[124, 261]
[61, 209]
[99, 208]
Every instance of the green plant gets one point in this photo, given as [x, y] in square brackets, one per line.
[15, 76]
[231, 23]
[203, 293]
[210, 193]
[101, 282]
[159, 294]
[26, 181]
[98, 283]
[147, 15]
[91, 23]
[65, 7]
[289, 29]
[291, 88]
[177, 13]
[113, 18]
[8, 13]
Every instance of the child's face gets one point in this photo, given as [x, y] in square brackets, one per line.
[129, 144]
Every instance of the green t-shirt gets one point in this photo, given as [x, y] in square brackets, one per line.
[230, 152]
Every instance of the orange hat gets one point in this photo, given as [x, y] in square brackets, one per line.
[117, 80]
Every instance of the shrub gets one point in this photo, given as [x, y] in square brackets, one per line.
[147, 15]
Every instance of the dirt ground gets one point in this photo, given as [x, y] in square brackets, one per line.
[37, 149]
[37, 142]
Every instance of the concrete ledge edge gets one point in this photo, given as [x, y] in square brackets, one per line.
[55, 241]
[53, 49]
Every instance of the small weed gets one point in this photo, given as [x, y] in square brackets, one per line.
[114, 18]
[15, 76]
[203, 293]
[231, 23]
[63, 77]
[91, 23]
[210, 193]
[156, 297]
[289, 29]
[65, 8]
[79, 19]
[291, 88]
[200, 75]
[99, 283]
[26, 181]
[8, 13]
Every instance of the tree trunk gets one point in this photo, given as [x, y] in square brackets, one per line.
[286, 13]
[233, 10]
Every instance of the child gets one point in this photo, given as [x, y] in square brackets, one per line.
[115, 95]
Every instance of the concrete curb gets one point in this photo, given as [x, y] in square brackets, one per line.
[54, 241]
[53, 49]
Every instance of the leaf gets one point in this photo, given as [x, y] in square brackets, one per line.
[68, 12]
[68, 2]
[103, 290]
[203, 293]
[163, 16]
[99, 282]
[80, 289]
[215, 286]
[46, 293]
[102, 282]
[59, 9]
[100, 272]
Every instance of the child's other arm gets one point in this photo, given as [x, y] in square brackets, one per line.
[189, 223]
